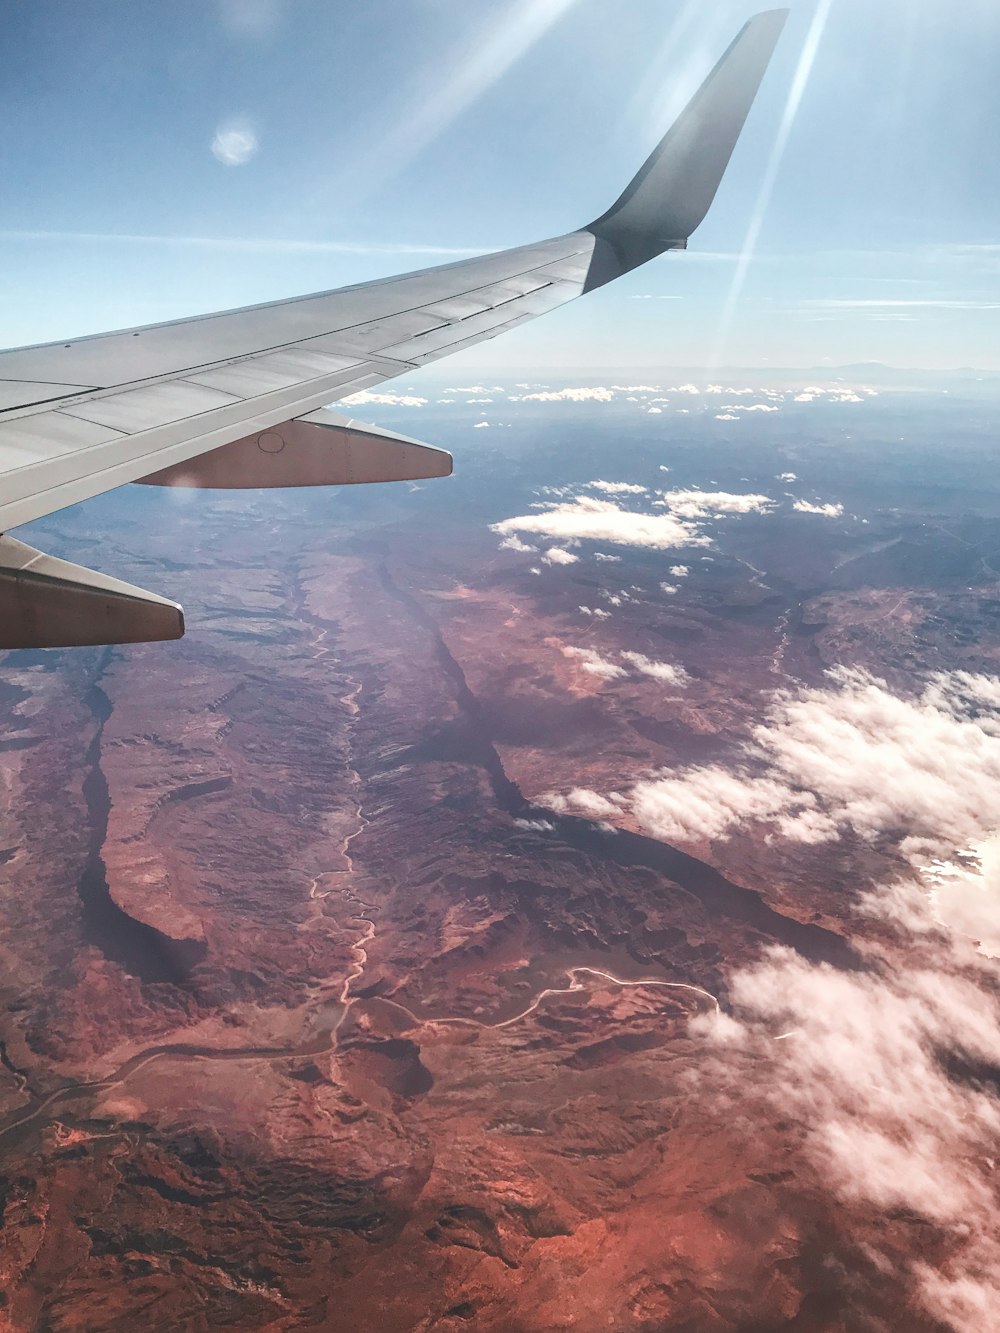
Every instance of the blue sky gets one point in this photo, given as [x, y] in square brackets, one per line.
[377, 135]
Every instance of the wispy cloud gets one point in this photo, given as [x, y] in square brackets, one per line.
[249, 244]
[902, 303]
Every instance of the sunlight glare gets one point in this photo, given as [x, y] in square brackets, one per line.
[796, 92]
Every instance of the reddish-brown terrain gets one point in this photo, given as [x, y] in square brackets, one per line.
[315, 1017]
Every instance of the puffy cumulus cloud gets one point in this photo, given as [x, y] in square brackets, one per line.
[680, 571]
[869, 1063]
[826, 511]
[555, 555]
[581, 801]
[534, 825]
[665, 671]
[385, 399]
[607, 559]
[235, 143]
[588, 518]
[514, 543]
[702, 504]
[582, 395]
[705, 803]
[752, 407]
[595, 612]
[481, 425]
[669, 589]
[616, 487]
[654, 411]
[879, 1068]
[593, 663]
[787, 476]
[925, 771]
[727, 416]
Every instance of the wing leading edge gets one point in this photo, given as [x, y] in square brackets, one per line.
[193, 402]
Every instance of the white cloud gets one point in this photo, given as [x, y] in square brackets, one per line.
[593, 663]
[594, 395]
[616, 487]
[235, 143]
[481, 425]
[582, 801]
[669, 589]
[876, 1069]
[888, 1127]
[727, 416]
[787, 476]
[607, 559]
[587, 518]
[514, 543]
[679, 571]
[385, 399]
[555, 555]
[860, 757]
[700, 504]
[534, 825]
[826, 511]
[665, 671]
[706, 803]
[753, 407]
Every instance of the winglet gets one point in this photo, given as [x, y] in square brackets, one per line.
[673, 191]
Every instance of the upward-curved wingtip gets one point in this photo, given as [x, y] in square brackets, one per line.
[672, 192]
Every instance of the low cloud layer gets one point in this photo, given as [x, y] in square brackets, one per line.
[825, 510]
[664, 671]
[866, 1063]
[384, 399]
[587, 518]
[923, 771]
[555, 555]
[592, 662]
[616, 487]
[702, 504]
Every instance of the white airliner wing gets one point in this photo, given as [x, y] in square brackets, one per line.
[231, 399]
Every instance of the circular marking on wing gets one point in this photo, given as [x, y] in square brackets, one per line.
[270, 442]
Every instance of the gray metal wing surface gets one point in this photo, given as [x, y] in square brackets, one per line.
[86, 415]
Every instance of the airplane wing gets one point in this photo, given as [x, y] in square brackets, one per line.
[235, 399]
